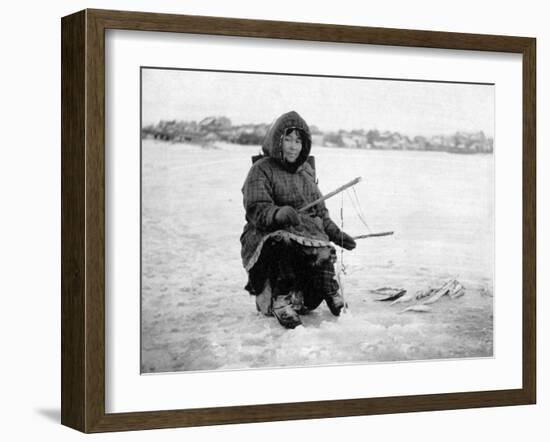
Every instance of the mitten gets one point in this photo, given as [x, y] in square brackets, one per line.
[287, 216]
[345, 241]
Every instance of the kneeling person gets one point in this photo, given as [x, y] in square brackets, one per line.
[288, 254]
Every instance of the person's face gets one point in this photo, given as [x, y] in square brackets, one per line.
[292, 146]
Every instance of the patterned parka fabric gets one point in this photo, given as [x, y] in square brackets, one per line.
[272, 183]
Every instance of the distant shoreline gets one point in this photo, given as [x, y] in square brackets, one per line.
[220, 128]
[207, 143]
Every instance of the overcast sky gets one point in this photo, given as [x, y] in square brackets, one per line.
[412, 108]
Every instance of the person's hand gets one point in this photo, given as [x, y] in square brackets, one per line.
[287, 216]
[345, 241]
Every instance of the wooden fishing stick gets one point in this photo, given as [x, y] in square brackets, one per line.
[329, 195]
[370, 235]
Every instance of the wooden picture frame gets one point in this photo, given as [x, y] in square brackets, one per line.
[83, 220]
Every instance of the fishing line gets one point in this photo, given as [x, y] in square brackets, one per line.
[342, 268]
[361, 214]
[357, 208]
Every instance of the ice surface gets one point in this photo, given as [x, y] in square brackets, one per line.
[197, 316]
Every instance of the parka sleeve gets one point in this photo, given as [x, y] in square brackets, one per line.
[258, 200]
[330, 227]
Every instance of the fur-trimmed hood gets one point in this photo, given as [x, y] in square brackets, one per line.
[273, 142]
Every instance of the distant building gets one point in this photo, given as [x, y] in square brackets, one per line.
[214, 124]
[215, 128]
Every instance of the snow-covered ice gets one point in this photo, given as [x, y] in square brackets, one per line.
[196, 314]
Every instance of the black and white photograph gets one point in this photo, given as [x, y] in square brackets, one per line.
[307, 220]
[269, 221]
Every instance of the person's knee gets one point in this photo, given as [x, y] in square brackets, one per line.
[323, 280]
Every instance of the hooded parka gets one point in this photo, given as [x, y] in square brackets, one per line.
[273, 183]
